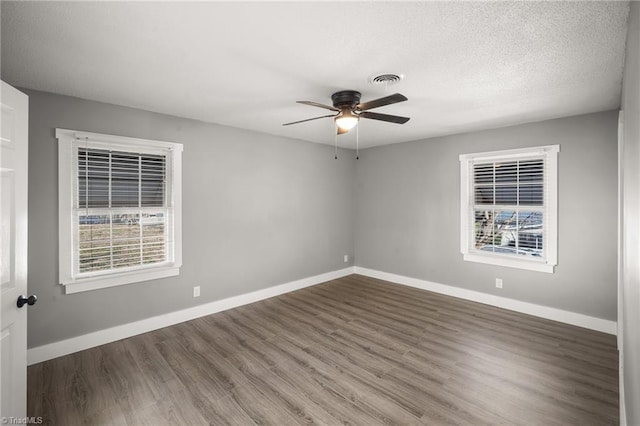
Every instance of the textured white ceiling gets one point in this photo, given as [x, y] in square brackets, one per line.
[467, 65]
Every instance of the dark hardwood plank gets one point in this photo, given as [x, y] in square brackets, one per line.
[355, 351]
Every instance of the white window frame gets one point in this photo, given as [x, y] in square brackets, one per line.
[550, 209]
[68, 143]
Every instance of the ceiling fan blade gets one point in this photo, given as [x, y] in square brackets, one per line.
[384, 117]
[387, 100]
[341, 131]
[309, 119]
[315, 104]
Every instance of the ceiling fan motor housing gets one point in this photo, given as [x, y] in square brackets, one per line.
[346, 98]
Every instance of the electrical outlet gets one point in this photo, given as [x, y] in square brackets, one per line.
[498, 282]
[346, 258]
[196, 291]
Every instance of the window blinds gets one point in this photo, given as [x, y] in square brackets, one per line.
[508, 206]
[509, 183]
[120, 179]
[121, 209]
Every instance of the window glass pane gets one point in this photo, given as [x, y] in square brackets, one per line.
[530, 233]
[152, 193]
[94, 243]
[126, 253]
[93, 178]
[124, 192]
[94, 192]
[153, 173]
[153, 237]
[125, 179]
[483, 228]
[126, 225]
[506, 172]
[507, 195]
[153, 167]
[532, 171]
[509, 232]
[506, 230]
[125, 240]
[497, 231]
[483, 194]
[531, 194]
[483, 173]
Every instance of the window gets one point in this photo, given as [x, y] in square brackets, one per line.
[119, 210]
[509, 208]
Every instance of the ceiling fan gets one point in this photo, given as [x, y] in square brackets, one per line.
[346, 104]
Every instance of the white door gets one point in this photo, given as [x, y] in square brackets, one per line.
[13, 252]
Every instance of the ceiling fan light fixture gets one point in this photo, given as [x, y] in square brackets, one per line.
[347, 120]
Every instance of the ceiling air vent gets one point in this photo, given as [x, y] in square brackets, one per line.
[385, 79]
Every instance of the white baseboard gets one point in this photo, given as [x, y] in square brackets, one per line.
[554, 314]
[623, 406]
[97, 338]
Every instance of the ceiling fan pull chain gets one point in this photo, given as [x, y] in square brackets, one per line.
[357, 142]
[336, 144]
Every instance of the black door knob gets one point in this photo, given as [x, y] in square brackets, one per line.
[31, 300]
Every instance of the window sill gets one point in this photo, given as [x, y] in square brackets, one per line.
[530, 265]
[112, 280]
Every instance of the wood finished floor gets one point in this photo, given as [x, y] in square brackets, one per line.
[353, 351]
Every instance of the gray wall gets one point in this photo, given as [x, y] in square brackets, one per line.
[408, 213]
[630, 283]
[257, 211]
